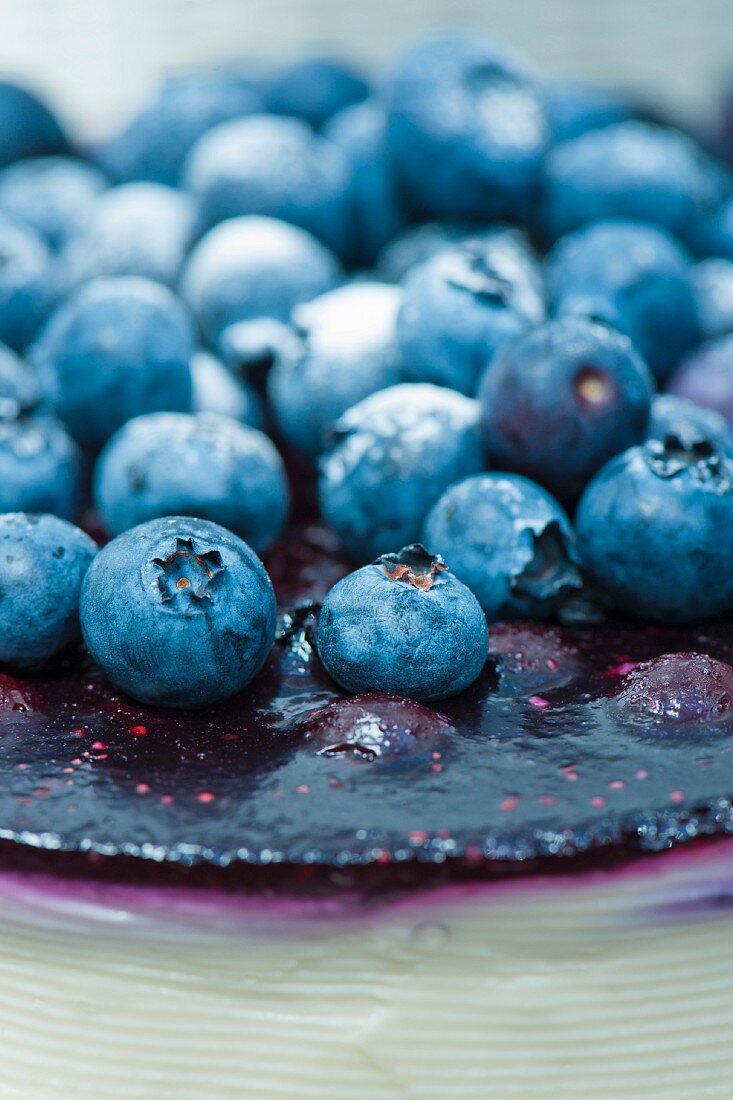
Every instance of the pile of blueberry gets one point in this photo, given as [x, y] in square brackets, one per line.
[485, 318]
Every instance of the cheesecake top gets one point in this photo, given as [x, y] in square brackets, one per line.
[580, 739]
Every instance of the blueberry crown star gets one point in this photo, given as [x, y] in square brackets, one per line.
[189, 573]
[413, 565]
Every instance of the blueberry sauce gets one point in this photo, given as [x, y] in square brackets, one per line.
[570, 744]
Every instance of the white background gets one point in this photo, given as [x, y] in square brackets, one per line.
[98, 57]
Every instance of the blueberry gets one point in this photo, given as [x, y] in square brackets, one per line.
[372, 727]
[51, 195]
[459, 308]
[531, 658]
[27, 126]
[508, 541]
[574, 109]
[466, 128]
[715, 235]
[250, 349]
[40, 466]
[712, 281]
[672, 415]
[115, 349]
[632, 170]
[135, 229]
[216, 390]
[348, 351]
[154, 144]
[563, 399]
[376, 207]
[275, 167]
[706, 376]
[419, 243]
[635, 277]
[396, 452]
[254, 267]
[403, 624]
[314, 89]
[680, 687]
[208, 466]
[43, 560]
[28, 283]
[178, 612]
[654, 528]
[18, 386]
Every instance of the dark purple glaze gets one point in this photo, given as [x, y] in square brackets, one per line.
[539, 759]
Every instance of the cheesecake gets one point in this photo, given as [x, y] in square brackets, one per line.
[523, 891]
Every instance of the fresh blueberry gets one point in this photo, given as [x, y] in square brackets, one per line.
[395, 453]
[635, 277]
[254, 267]
[403, 624]
[376, 208]
[18, 386]
[459, 308]
[178, 612]
[508, 541]
[633, 170]
[574, 109]
[715, 235]
[43, 560]
[40, 465]
[561, 400]
[314, 89]
[275, 167]
[706, 377]
[680, 687]
[419, 243]
[250, 349]
[347, 352]
[466, 128]
[135, 229]
[672, 415]
[51, 195]
[28, 283]
[216, 390]
[712, 281]
[208, 466]
[115, 349]
[27, 126]
[154, 144]
[654, 529]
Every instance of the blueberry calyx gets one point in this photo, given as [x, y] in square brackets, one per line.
[593, 387]
[412, 565]
[551, 571]
[672, 455]
[480, 277]
[188, 572]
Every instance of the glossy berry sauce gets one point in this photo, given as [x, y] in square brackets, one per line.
[571, 744]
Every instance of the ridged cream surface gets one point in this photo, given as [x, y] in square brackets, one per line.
[605, 987]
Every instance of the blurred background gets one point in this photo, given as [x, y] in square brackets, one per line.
[98, 58]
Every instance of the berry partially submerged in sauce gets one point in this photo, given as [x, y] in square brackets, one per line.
[369, 727]
[680, 687]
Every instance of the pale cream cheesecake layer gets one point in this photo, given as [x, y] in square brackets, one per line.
[602, 986]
